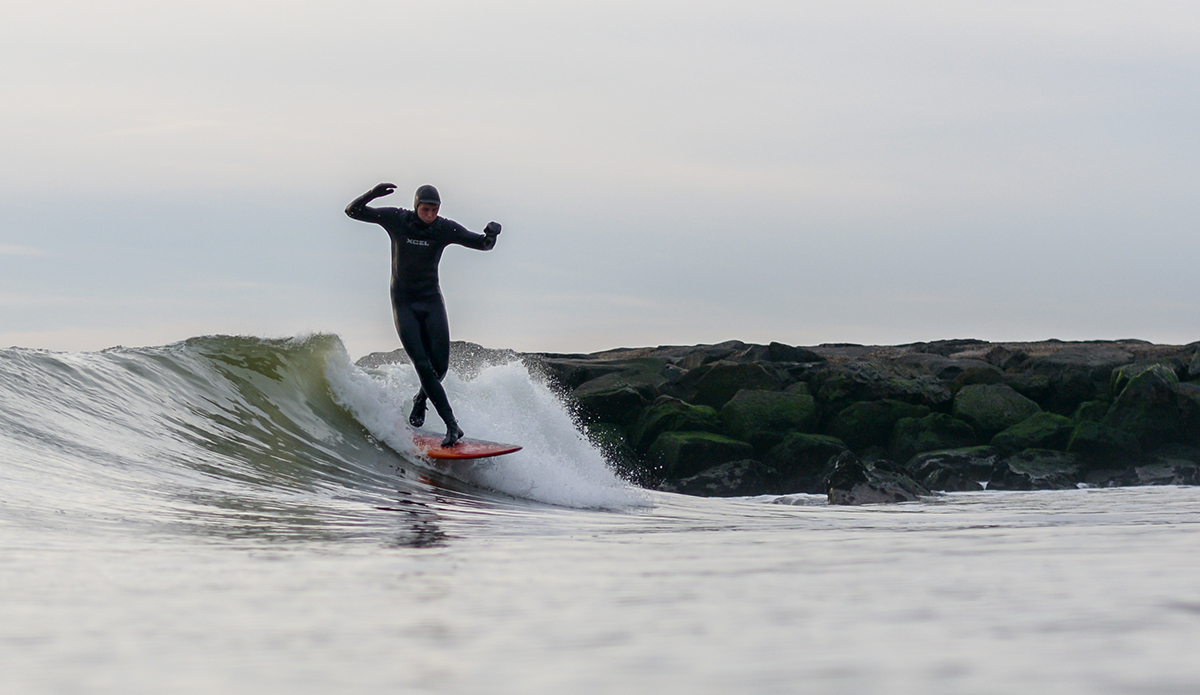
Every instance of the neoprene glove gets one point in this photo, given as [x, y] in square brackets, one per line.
[492, 228]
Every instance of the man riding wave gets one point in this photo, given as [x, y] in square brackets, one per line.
[418, 238]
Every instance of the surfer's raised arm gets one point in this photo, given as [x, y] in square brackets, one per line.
[358, 210]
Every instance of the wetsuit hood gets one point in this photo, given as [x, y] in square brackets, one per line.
[426, 194]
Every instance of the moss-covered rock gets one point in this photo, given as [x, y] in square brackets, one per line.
[763, 418]
[1090, 411]
[684, 454]
[667, 414]
[934, 432]
[838, 386]
[1147, 408]
[870, 423]
[1038, 431]
[992, 408]
[1076, 374]
[977, 375]
[1035, 387]
[954, 470]
[1121, 376]
[715, 383]
[1037, 469]
[1187, 395]
[602, 401]
[802, 461]
[1100, 445]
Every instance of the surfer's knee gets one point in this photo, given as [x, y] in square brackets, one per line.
[425, 365]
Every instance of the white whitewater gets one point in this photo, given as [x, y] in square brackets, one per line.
[503, 403]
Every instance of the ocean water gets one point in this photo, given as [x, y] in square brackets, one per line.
[238, 515]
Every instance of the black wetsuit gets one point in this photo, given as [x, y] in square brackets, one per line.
[417, 304]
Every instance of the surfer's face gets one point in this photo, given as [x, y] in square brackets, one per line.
[427, 212]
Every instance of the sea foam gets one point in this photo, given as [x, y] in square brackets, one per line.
[557, 465]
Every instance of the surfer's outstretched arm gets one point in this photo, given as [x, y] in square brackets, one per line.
[358, 210]
[481, 242]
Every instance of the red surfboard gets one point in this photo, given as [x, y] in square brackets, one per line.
[430, 444]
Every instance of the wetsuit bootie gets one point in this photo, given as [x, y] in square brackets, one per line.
[417, 417]
[453, 434]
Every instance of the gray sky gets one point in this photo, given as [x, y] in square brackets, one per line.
[666, 172]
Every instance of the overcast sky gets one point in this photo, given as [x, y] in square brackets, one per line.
[666, 172]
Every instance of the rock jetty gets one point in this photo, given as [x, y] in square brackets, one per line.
[867, 424]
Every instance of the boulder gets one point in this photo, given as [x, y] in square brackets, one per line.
[715, 383]
[1167, 473]
[619, 397]
[698, 355]
[672, 373]
[671, 414]
[1091, 411]
[1077, 373]
[934, 432]
[1036, 469]
[570, 373]
[1038, 431]
[1110, 477]
[684, 454]
[1177, 453]
[1100, 445]
[853, 483]
[870, 423]
[1187, 397]
[1175, 464]
[603, 401]
[763, 418]
[1147, 408]
[954, 470]
[778, 352]
[801, 461]
[991, 408]
[945, 368]
[1121, 376]
[1035, 387]
[1004, 358]
[1193, 371]
[733, 479]
[838, 386]
[752, 353]
[986, 374]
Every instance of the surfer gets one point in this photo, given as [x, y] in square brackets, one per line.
[418, 238]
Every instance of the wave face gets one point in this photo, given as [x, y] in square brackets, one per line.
[239, 427]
